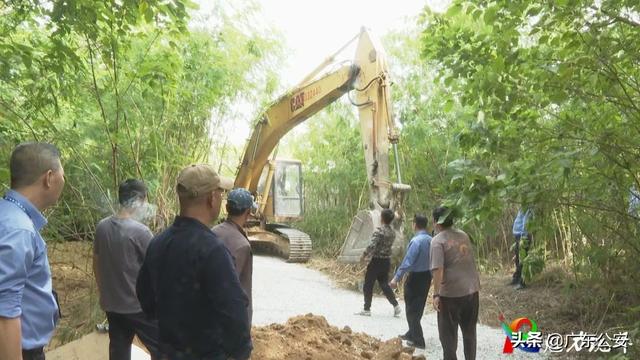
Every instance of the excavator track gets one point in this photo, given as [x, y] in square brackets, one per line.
[299, 244]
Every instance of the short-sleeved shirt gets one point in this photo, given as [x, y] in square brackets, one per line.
[120, 245]
[189, 283]
[452, 251]
[25, 276]
[236, 241]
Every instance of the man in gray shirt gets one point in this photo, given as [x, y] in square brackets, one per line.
[455, 285]
[239, 205]
[119, 249]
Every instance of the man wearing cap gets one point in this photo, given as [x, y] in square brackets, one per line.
[188, 280]
[239, 206]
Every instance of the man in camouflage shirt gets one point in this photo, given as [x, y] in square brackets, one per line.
[379, 251]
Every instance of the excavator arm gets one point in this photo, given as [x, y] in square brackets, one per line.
[367, 79]
[283, 115]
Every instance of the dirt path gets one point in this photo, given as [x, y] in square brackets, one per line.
[94, 346]
[283, 291]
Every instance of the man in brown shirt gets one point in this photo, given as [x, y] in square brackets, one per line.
[456, 284]
[239, 206]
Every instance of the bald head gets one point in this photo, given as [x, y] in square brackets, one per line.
[29, 161]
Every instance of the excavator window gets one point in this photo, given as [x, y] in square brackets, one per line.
[287, 187]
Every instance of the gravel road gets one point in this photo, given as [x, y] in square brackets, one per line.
[282, 290]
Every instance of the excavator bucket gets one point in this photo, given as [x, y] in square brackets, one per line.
[359, 236]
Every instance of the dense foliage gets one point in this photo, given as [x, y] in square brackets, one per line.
[548, 96]
[125, 90]
[508, 105]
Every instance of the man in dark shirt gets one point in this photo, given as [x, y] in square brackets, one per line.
[188, 281]
[118, 251]
[379, 250]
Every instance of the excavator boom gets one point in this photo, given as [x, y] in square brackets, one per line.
[367, 77]
[283, 115]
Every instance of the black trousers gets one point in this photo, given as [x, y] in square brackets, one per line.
[517, 275]
[378, 269]
[454, 312]
[122, 328]
[34, 354]
[168, 353]
[416, 290]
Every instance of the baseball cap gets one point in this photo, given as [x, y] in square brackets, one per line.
[199, 179]
[241, 199]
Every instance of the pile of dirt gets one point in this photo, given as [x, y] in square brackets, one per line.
[306, 337]
[310, 337]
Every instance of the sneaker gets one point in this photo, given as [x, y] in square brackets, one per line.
[414, 345]
[397, 310]
[404, 337]
[520, 286]
[419, 354]
[364, 313]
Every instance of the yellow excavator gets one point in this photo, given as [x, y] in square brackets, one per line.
[277, 184]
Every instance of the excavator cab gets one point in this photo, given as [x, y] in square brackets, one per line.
[282, 203]
[287, 191]
[285, 200]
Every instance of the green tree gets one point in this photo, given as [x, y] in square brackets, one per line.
[549, 118]
[135, 97]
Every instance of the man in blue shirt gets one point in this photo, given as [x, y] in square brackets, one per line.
[416, 263]
[28, 309]
[519, 233]
[634, 202]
